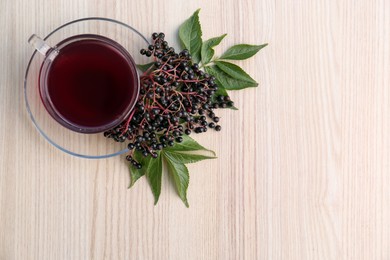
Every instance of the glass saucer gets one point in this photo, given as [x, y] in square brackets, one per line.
[93, 146]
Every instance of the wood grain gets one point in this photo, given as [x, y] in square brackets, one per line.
[303, 169]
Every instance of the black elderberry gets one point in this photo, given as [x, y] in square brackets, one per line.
[223, 104]
[198, 130]
[175, 97]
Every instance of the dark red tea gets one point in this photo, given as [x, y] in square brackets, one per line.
[91, 82]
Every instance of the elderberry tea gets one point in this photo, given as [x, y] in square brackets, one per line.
[88, 83]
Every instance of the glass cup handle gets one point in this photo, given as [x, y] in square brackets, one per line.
[39, 44]
[42, 47]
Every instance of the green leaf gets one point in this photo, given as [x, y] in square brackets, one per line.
[188, 144]
[144, 67]
[207, 51]
[135, 174]
[226, 81]
[181, 177]
[190, 35]
[221, 92]
[221, 89]
[180, 157]
[234, 71]
[176, 156]
[242, 51]
[154, 174]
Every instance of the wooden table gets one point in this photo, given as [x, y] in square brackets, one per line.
[303, 167]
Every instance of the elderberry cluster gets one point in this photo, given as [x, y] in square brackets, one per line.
[176, 98]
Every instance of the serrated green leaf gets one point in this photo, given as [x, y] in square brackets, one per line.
[154, 174]
[176, 156]
[190, 34]
[181, 178]
[242, 51]
[181, 157]
[135, 174]
[207, 51]
[221, 92]
[227, 81]
[188, 144]
[234, 71]
[144, 67]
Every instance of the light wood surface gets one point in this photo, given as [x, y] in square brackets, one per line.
[303, 169]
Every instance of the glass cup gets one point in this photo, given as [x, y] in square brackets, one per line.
[59, 109]
[80, 144]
